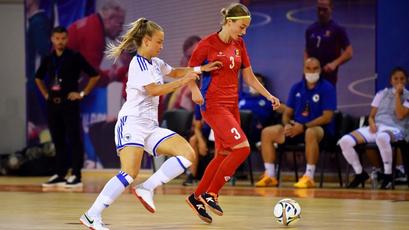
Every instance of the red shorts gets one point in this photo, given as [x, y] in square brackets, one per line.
[225, 122]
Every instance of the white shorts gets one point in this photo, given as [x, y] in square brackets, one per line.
[132, 131]
[371, 137]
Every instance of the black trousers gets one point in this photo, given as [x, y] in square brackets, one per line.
[64, 121]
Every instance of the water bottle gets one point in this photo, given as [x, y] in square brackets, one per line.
[374, 179]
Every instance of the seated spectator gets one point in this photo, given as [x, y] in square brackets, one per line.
[199, 142]
[307, 118]
[261, 108]
[388, 122]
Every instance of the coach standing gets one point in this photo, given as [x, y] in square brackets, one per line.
[57, 79]
[328, 42]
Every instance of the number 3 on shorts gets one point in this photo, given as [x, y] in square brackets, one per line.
[236, 133]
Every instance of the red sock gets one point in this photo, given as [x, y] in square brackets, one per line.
[208, 175]
[227, 168]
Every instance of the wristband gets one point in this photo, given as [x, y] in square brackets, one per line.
[197, 69]
[82, 94]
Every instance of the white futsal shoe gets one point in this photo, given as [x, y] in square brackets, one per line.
[145, 196]
[92, 223]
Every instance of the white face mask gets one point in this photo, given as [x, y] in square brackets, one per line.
[312, 77]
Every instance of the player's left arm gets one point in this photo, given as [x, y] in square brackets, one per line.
[251, 80]
[182, 71]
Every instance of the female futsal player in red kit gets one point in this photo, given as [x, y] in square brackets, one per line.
[218, 96]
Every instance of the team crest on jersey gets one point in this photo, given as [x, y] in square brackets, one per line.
[327, 33]
[237, 52]
[127, 137]
[298, 94]
[316, 97]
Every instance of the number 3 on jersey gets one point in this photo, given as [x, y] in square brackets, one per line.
[231, 62]
[236, 133]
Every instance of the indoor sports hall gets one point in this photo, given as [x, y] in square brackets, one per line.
[55, 171]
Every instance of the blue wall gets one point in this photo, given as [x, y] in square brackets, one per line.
[392, 38]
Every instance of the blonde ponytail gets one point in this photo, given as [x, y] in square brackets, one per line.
[132, 39]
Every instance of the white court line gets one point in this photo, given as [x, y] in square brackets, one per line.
[351, 87]
[266, 19]
[290, 16]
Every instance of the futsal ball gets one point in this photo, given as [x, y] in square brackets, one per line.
[287, 211]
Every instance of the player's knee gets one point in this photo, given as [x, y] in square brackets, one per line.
[268, 133]
[193, 140]
[346, 142]
[382, 138]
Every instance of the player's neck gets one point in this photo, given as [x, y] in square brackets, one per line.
[224, 36]
[144, 54]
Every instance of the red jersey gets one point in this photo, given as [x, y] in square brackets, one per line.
[220, 86]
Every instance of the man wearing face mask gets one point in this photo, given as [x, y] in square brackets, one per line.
[328, 42]
[307, 118]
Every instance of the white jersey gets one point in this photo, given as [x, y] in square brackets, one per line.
[143, 72]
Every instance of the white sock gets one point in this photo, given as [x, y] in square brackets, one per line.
[115, 186]
[383, 142]
[170, 169]
[270, 169]
[310, 171]
[347, 144]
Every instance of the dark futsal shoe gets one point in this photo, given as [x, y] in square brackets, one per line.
[198, 208]
[358, 179]
[210, 199]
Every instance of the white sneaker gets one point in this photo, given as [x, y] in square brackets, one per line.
[92, 223]
[145, 196]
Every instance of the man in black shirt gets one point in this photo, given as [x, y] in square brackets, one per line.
[57, 79]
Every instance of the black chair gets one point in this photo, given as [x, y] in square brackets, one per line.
[327, 146]
[102, 138]
[179, 121]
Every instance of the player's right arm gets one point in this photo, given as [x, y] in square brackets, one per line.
[198, 57]
[154, 89]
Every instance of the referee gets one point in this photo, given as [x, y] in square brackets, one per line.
[57, 79]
